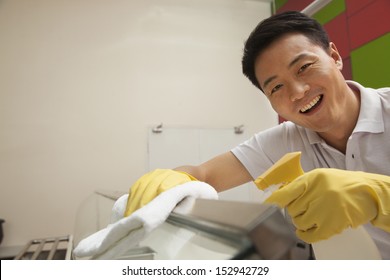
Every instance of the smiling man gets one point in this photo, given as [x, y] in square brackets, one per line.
[341, 128]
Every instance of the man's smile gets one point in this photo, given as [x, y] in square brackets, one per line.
[312, 104]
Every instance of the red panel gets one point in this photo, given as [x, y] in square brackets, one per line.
[353, 6]
[369, 23]
[338, 33]
[295, 5]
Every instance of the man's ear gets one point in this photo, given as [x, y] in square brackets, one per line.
[339, 64]
[334, 53]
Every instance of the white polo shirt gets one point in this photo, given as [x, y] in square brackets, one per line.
[368, 148]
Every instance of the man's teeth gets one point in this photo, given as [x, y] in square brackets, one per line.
[311, 104]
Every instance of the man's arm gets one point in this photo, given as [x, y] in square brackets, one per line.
[222, 172]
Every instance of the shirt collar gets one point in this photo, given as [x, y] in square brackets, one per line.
[370, 117]
[313, 137]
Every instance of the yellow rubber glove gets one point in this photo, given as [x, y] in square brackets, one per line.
[325, 201]
[151, 185]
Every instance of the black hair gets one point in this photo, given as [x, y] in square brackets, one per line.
[272, 28]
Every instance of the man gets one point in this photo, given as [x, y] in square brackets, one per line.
[341, 128]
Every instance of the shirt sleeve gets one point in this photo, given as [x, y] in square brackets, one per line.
[263, 149]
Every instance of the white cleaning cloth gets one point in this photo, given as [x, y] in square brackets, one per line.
[124, 233]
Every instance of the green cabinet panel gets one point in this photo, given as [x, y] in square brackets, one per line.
[330, 11]
[370, 63]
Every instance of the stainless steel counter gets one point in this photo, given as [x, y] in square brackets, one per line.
[211, 229]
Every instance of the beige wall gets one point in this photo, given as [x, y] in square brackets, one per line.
[82, 81]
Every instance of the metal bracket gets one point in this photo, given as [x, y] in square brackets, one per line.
[158, 129]
[239, 129]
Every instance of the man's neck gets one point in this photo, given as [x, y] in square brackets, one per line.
[339, 144]
[338, 137]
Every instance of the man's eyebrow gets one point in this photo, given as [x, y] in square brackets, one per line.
[270, 79]
[296, 59]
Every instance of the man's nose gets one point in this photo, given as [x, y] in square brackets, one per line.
[298, 90]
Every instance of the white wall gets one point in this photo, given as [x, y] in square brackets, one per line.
[82, 81]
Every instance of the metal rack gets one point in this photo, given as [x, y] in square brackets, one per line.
[55, 248]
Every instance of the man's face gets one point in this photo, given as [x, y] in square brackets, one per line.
[303, 81]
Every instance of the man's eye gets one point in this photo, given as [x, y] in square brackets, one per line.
[276, 88]
[304, 67]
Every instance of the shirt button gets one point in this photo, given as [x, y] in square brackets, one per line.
[353, 156]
